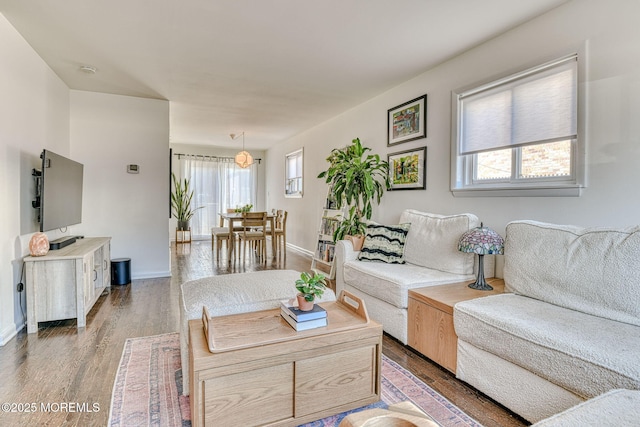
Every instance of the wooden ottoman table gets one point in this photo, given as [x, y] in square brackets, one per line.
[231, 294]
[254, 369]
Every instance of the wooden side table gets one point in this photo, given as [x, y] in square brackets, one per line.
[430, 327]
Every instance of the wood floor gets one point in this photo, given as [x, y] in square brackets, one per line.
[61, 365]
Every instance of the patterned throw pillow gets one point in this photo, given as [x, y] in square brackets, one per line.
[384, 243]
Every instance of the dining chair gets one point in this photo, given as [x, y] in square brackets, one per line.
[278, 218]
[254, 230]
[219, 235]
[280, 231]
[274, 213]
[235, 227]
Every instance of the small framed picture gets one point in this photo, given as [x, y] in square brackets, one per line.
[407, 122]
[408, 169]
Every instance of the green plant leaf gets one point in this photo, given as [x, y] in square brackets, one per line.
[181, 198]
[356, 181]
[311, 286]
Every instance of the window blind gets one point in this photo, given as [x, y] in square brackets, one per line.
[536, 106]
[294, 164]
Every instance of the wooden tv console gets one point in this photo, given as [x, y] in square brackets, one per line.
[66, 283]
[254, 369]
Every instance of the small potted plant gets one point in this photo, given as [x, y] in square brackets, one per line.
[310, 287]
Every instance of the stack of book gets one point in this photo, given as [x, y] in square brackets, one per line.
[303, 320]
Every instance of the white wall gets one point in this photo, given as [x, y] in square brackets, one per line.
[105, 133]
[304, 213]
[34, 114]
[108, 132]
[613, 128]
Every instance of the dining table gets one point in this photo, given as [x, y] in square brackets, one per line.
[236, 217]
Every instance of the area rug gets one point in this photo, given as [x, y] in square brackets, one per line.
[148, 389]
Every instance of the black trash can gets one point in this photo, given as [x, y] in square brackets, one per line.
[120, 271]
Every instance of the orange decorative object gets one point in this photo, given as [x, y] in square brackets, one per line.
[39, 244]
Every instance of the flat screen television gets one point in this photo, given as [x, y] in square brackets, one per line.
[60, 191]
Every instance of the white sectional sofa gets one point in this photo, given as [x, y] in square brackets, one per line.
[568, 330]
[431, 258]
[615, 408]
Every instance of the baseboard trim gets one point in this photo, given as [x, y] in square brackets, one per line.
[151, 275]
[8, 333]
[299, 249]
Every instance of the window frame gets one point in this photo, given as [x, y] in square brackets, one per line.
[298, 192]
[516, 164]
[463, 166]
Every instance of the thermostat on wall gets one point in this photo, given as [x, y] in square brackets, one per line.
[133, 169]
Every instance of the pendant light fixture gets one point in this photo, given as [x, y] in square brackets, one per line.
[243, 158]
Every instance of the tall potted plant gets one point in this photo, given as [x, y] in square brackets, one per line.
[357, 180]
[181, 197]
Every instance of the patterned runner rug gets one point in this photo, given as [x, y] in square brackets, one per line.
[148, 389]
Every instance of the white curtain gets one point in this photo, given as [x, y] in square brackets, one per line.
[217, 184]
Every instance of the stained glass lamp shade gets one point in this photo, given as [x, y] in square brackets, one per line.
[482, 241]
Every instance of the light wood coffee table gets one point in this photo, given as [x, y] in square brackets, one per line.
[254, 369]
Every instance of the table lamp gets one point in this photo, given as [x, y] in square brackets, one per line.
[482, 241]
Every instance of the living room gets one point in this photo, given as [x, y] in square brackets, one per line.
[40, 111]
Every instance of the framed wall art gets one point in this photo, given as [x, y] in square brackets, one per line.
[408, 169]
[407, 122]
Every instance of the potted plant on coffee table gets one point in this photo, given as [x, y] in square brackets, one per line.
[357, 180]
[181, 197]
[310, 287]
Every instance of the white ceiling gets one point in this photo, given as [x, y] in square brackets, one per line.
[271, 68]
